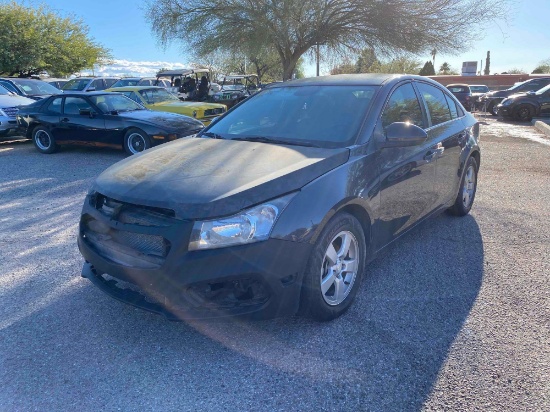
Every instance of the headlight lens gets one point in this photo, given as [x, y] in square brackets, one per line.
[249, 226]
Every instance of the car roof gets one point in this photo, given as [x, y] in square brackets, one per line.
[134, 88]
[182, 72]
[238, 76]
[363, 79]
[93, 78]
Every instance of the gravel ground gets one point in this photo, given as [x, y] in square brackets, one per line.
[455, 316]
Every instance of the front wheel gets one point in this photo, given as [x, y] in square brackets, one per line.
[467, 191]
[43, 140]
[524, 113]
[136, 141]
[334, 270]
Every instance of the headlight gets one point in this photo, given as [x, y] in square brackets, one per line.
[506, 102]
[249, 226]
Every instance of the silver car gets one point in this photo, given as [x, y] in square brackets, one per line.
[9, 106]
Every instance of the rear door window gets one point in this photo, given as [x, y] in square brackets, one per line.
[109, 82]
[452, 107]
[55, 106]
[438, 108]
[98, 84]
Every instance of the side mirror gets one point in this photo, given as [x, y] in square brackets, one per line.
[400, 134]
[87, 112]
[90, 89]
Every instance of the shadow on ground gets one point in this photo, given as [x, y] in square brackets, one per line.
[65, 345]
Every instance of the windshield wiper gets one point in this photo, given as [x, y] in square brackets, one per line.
[262, 139]
[212, 135]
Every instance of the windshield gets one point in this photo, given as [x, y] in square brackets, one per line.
[479, 89]
[125, 82]
[76, 84]
[4, 91]
[324, 116]
[459, 89]
[36, 87]
[114, 103]
[152, 96]
[232, 86]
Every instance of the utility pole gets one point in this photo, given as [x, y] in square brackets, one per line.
[318, 58]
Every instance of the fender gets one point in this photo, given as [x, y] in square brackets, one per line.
[314, 205]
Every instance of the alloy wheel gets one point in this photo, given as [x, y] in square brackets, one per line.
[469, 187]
[339, 269]
[42, 139]
[136, 143]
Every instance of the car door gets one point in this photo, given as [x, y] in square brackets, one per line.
[448, 133]
[406, 173]
[80, 126]
[544, 101]
[50, 116]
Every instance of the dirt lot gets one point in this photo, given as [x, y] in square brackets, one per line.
[455, 316]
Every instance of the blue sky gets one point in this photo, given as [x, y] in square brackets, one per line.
[121, 27]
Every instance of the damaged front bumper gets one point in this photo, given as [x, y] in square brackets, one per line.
[259, 280]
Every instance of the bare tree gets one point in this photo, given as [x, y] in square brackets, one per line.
[292, 27]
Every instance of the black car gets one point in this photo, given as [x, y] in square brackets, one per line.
[525, 106]
[463, 93]
[31, 88]
[278, 206]
[100, 119]
[492, 99]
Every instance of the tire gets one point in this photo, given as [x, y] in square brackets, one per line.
[524, 113]
[43, 140]
[136, 141]
[467, 191]
[328, 289]
[492, 108]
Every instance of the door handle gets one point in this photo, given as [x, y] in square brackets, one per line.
[65, 120]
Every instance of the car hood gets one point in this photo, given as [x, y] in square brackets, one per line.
[203, 178]
[12, 101]
[500, 93]
[169, 121]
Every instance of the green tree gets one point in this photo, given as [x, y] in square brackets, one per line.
[428, 69]
[36, 39]
[293, 27]
[515, 70]
[446, 69]
[543, 67]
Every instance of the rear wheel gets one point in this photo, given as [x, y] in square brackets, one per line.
[136, 141]
[43, 140]
[524, 112]
[334, 270]
[467, 192]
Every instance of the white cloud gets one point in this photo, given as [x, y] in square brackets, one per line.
[133, 68]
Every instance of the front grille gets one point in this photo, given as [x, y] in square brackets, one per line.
[214, 112]
[124, 246]
[10, 111]
[130, 213]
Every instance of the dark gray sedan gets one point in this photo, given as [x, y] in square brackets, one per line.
[278, 206]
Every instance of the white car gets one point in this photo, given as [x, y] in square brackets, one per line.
[9, 106]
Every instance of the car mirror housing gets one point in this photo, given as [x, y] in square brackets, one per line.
[401, 134]
[91, 89]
